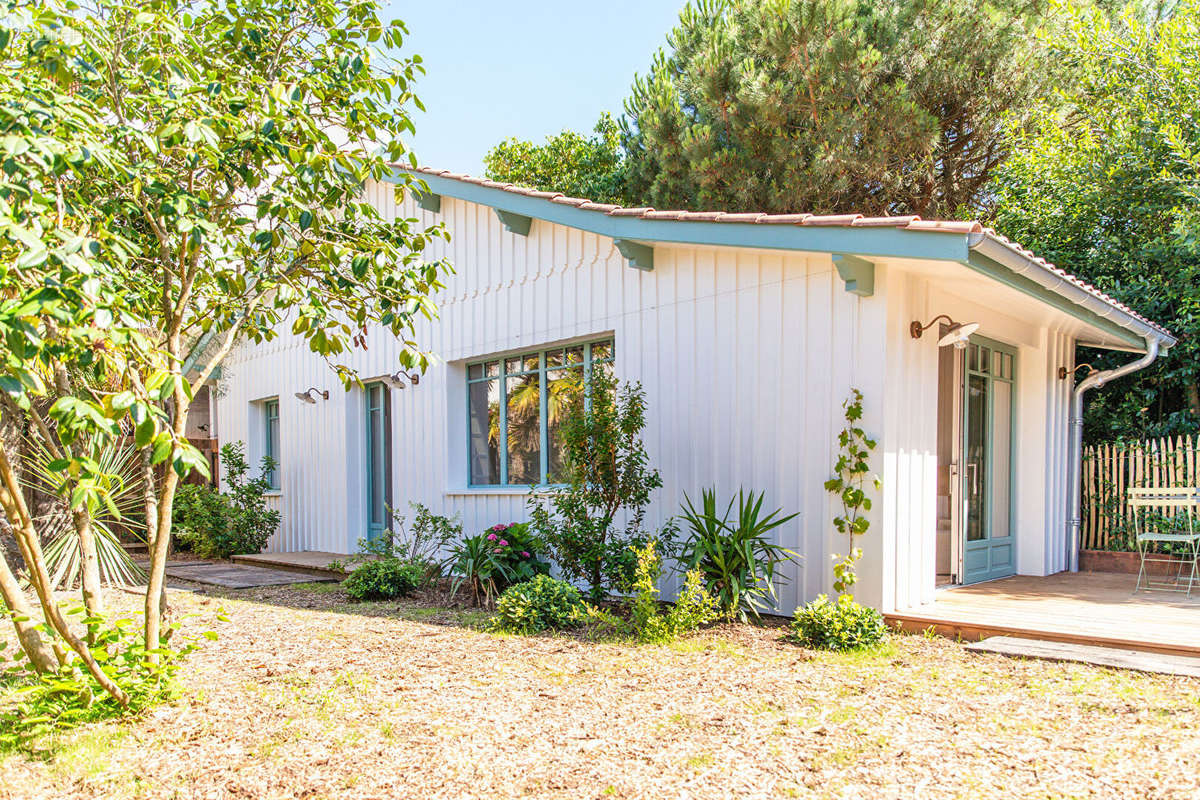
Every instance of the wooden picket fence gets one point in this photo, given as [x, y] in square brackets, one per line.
[1110, 469]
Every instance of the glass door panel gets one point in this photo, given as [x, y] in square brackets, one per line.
[379, 460]
[989, 545]
[976, 459]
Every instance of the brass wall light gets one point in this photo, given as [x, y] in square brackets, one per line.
[1063, 372]
[311, 394]
[958, 334]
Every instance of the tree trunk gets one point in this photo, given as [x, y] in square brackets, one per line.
[17, 513]
[40, 654]
[150, 508]
[1193, 398]
[156, 583]
[89, 563]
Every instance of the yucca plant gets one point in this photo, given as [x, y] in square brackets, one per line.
[121, 467]
[473, 563]
[733, 552]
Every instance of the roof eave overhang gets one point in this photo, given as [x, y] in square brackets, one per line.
[994, 258]
[878, 242]
[982, 253]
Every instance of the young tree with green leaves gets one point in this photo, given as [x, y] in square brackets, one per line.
[179, 177]
[1108, 188]
[593, 523]
[569, 162]
[833, 106]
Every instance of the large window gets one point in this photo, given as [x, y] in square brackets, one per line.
[271, 443]
[514, 406]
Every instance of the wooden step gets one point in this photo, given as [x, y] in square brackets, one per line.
[313, 563]
[1116, 658]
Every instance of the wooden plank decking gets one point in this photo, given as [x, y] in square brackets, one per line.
[309, 562]
[1085, 608]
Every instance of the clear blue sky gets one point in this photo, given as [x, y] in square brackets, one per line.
[525, 68]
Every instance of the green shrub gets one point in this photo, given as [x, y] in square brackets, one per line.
[494, 560]
[591, 520]
[694, 606]
[419, 543]
[734, 554]
[38, 707]
[840, 625]
[540, 604]
[222, 524]
[385, 579]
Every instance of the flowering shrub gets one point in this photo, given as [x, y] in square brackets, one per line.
[515, 547]
[494, 560]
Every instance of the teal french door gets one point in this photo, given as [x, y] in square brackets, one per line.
[989, 385]
[379, 459]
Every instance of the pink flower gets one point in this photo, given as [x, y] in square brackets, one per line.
[503, 543]
[524, 554]
[497, 550]
[500, 527]
[491, 537]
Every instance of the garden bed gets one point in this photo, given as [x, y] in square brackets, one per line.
[308, 695]
[1126, 563]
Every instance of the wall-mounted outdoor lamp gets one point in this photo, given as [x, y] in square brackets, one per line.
[958, 334]
[311, 394]
[396, 379]
[1063, 372]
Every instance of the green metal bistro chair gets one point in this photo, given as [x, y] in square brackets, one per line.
[1178, 507]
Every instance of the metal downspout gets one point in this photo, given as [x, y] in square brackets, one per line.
[1093, 381]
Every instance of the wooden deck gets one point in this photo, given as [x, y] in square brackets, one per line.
[310, 562]
[1082, 607]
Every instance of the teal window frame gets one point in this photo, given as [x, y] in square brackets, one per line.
[271, 440]
[502, 374]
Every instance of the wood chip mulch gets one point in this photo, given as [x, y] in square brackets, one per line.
[305, 695]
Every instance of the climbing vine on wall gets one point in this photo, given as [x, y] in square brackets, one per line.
[851, 473]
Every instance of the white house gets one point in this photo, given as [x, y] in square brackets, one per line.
[747, 331]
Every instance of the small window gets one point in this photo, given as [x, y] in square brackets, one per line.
[512, 406]
[271, 442]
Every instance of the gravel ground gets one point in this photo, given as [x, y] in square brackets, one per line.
[307, 696]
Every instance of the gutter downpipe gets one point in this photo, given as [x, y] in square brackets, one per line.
[1093, 381]
[1022, 264]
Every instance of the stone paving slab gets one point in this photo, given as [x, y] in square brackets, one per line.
[1089, 654]
[232, 576]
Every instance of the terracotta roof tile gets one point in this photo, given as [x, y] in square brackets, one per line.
[743, 216]
[784, 219]
[569, 201]
[840, 220]
[884, 222]
[949, 226]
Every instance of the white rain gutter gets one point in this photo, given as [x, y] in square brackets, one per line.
[1155, 340]
[1093, 381]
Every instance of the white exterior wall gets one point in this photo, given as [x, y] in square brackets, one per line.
[745, 357]
[909, 440]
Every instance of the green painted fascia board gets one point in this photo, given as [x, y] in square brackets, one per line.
[997, 271]
[882, 241]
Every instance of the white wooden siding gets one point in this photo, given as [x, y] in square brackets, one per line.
[745, 357]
